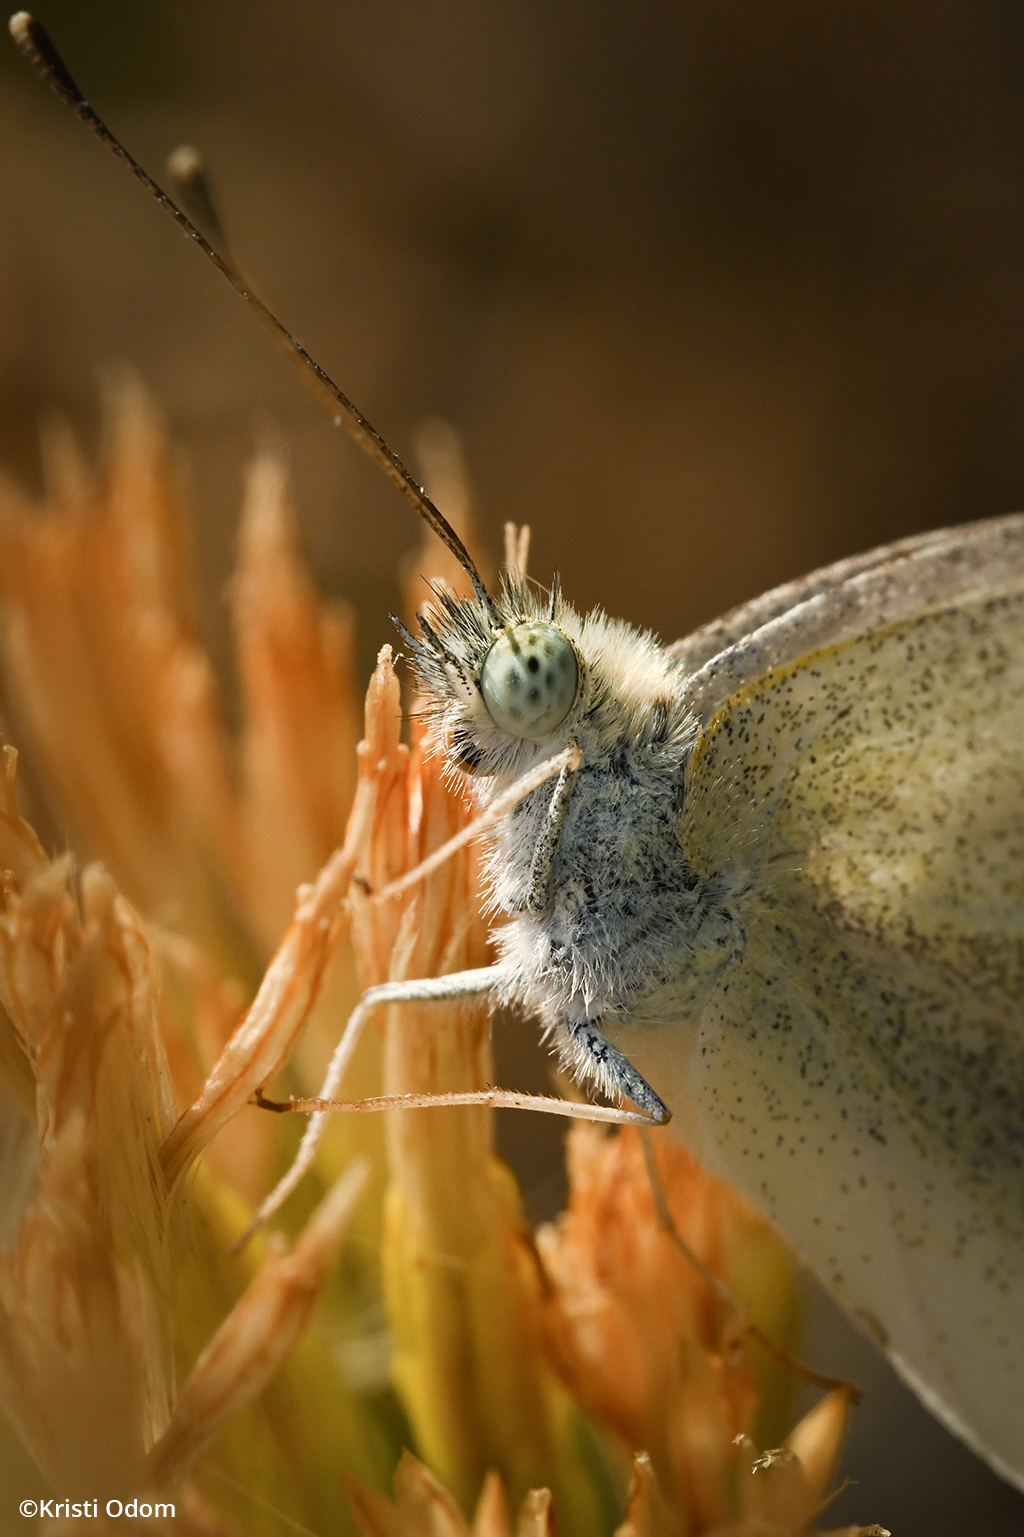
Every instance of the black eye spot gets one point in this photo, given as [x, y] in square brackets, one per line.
[534, 664]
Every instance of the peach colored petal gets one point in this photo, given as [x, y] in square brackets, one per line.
[648, 1514]
[266, 1036]
[536, 1516]
[82, 1346]
[76, 1337]
[257, 1334]
[634, 1330]
[108, 685]
[422, 1506]
[103, 1058]
[491, 1517]
[446, 476]
[300, 725]
[818, 1440]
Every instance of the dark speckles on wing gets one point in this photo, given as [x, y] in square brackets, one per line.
[864, 1065]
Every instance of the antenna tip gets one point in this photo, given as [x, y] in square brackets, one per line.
[36, 44]
[185, 163]
[187, 171]
[20, 27]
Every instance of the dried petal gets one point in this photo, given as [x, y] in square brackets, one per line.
[266, 1036]
[109, 687]
[633, 1328]
[82, 1348]
[648, 1514]
[257, 1335]
[422, 1506]
[491, 1517]
[536, 1516]
[818, 1440]
[79, 1338]
[298, 745]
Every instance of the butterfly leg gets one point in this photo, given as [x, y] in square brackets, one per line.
[595, 1055]
[457, 984]
[544, 854]
[668, 1226]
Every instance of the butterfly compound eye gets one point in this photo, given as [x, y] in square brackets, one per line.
[529, 680]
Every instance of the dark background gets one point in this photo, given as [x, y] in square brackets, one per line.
[715, 293]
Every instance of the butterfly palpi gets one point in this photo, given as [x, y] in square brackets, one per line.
[776, 883]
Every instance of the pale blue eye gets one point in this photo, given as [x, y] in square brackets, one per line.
[529, 680]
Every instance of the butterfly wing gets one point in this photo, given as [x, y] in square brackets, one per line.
[858, 596]
[860, 1069]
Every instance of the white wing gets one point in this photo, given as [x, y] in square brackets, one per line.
[858, 596]
[860, 1070]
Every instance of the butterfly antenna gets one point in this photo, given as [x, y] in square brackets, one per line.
[37, 46]
[186, 171]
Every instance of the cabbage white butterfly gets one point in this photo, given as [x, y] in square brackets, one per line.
[783, 885]
[786, 885]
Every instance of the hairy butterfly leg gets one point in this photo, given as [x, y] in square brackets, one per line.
[593, 1055]
[458, 984]
[547, 846]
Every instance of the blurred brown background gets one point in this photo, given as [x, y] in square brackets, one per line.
[714, 293]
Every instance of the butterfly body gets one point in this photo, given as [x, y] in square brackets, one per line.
[621, 926]
[787, 888]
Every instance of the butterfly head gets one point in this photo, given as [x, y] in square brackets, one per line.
[516, 677]
[505, 678]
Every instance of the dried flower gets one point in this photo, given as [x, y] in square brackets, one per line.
[638, 1334]
[137, 1351]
